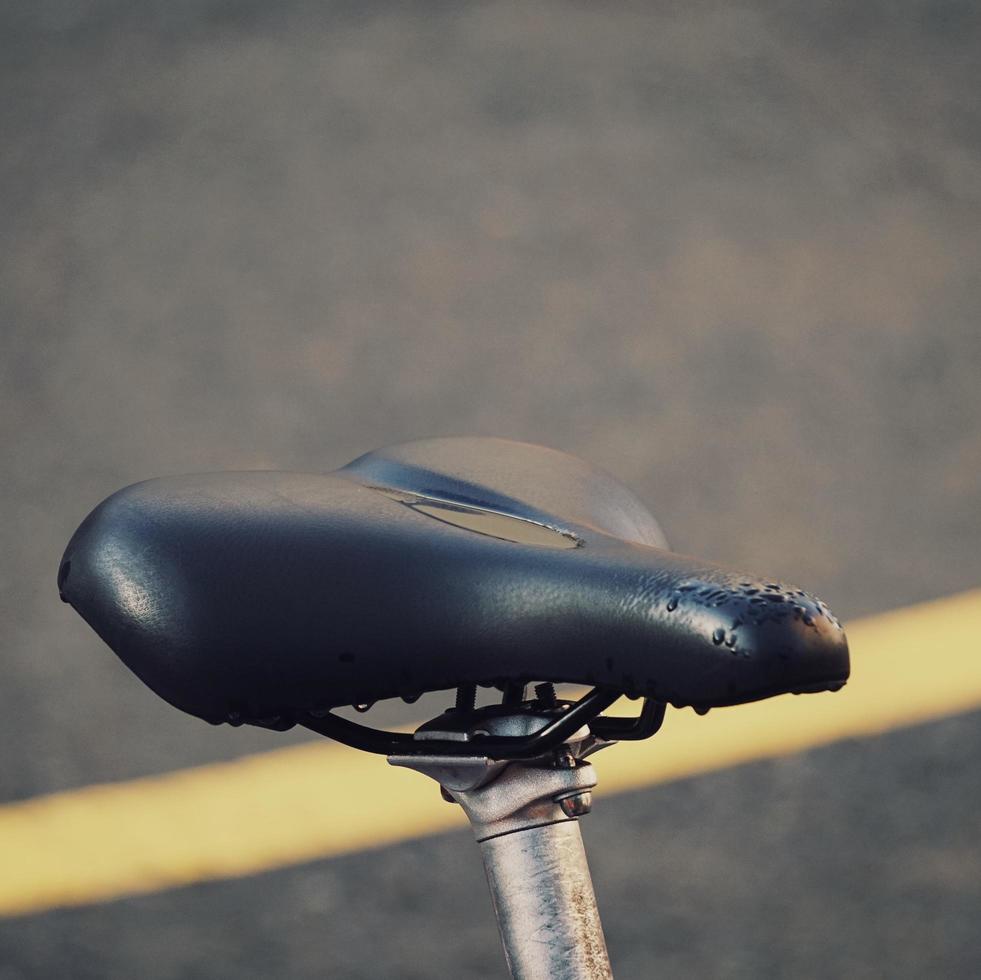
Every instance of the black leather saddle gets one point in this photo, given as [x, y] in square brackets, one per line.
[272, 597]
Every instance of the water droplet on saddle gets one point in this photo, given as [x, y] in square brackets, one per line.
[672, 603]
[809, 620]
[718, 636]
[362, 708]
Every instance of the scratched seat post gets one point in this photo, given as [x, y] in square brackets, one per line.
[524, 816]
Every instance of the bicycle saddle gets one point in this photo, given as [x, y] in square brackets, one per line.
[265, 596]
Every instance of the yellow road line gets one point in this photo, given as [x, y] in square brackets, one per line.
[321, 799]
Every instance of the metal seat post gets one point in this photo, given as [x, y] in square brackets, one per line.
[525, 818]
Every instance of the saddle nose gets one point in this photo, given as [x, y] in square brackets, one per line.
[732, 637]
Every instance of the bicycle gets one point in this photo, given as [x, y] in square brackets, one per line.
[273, 599]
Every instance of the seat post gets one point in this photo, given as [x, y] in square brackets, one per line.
[544, 903]
[525, 818]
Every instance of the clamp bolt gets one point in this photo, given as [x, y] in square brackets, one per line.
[576, 805]
[546, 694]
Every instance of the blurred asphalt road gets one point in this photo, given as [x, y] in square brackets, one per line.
[729, 251]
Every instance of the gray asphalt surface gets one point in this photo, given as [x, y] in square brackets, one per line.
[731, 252]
